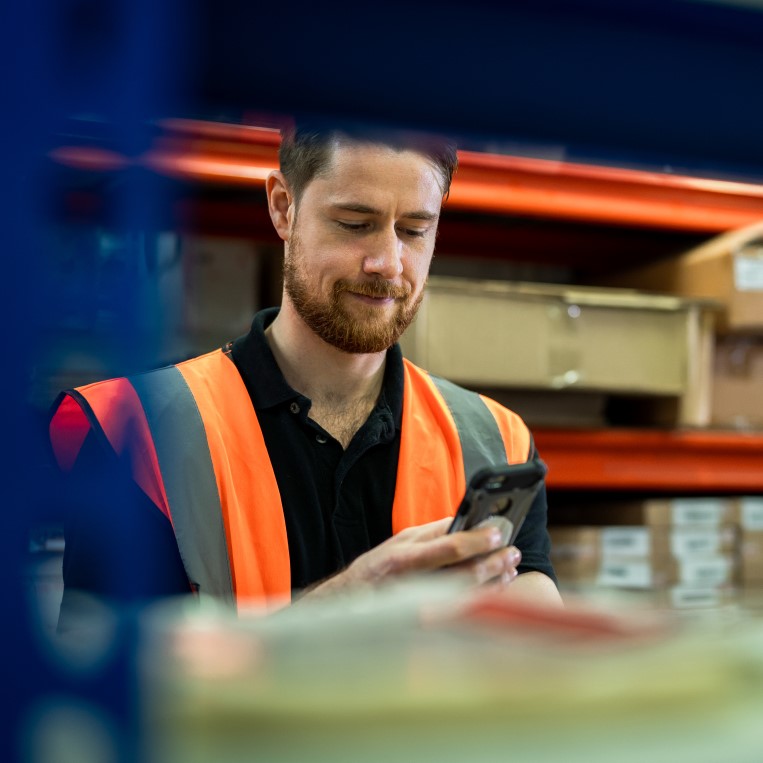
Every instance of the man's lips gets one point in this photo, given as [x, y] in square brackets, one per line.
[386, 300]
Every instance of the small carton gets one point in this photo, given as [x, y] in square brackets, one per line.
[737, 383]
[727, 268]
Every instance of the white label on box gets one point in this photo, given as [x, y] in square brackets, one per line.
[751, 512]
[712, 571]
[692, 541]
[625, 574]
[748, 272]
[629, 541]
[683, 598]
[697, 511]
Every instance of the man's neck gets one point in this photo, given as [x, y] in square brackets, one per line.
[343, 387]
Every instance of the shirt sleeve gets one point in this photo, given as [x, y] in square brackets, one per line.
[534, 541]
[118, 546]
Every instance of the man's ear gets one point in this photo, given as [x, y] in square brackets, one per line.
[280, 202]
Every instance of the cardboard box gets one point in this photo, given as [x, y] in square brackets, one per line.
[645, 557]
[659, 572]
[575, 542]
[737, 388]
[749, 512]
[189, 295]
[220, 288]
[500, 334]
[751, 557]
[727, 268]
[750, 521]
[531, 335]
[649, 573]
[681, 542]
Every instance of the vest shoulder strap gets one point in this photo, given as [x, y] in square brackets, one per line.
[191, 440]
[448, 433]
[481, 441]
[189, 478]
[253, 514]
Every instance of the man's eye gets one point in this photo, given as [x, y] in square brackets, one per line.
[351, 226]
[414, 232]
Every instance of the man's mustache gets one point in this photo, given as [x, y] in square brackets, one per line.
[378, 289]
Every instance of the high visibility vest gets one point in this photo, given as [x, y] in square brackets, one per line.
[191, 440]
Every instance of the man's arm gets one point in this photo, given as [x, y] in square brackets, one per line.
[537, 588]
[118, 546]
[478, 554]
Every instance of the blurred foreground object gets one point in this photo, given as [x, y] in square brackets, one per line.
[427, 673]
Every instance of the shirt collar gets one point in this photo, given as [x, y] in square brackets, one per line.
[267, 386]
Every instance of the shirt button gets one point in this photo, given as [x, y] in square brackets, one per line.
[321, 439]
[294, 407]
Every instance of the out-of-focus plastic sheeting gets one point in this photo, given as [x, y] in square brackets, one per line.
[429, 672]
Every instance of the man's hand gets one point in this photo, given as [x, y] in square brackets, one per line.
[480, 553]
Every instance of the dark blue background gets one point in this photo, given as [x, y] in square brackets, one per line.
[657, 83]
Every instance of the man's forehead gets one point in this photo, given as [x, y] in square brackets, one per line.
[341, 147]
[346, 150]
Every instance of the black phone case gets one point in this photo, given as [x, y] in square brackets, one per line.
[508, 490]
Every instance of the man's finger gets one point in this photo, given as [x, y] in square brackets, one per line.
[448, 550]
[431, 530]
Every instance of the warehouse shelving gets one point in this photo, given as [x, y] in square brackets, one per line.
[616, 459]
[496, 186]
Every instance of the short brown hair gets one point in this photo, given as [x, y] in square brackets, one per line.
[306, 148]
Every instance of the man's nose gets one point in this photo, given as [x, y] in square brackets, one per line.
[386, 257]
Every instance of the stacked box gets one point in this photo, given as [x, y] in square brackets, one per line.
[645, 557]
[589, 340]
[727, 268]
[220, 284]
[750, 510]
[687, 550]
[737, 385]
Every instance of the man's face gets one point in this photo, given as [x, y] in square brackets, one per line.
[360, 245]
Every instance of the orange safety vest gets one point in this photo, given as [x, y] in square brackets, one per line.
[190, 437]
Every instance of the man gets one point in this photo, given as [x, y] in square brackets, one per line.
[306, 456]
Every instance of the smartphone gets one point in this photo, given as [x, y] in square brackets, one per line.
[508, 491]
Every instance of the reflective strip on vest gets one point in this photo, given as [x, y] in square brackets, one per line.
[253, 515]
[189, 479]
[481, 441]
[440, 443]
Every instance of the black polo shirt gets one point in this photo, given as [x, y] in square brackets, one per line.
[337, 503]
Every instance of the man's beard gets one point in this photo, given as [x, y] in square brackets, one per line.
[369, 330]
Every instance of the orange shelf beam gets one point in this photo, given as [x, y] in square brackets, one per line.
[561, 190]
[645, 460]
[211, 152]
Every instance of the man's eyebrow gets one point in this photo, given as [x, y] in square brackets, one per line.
[421, 215]
[364, 209]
